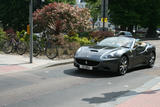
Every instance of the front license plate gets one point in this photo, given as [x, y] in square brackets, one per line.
[86, 67]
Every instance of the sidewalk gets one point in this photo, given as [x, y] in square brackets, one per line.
[150, 98]
[16, 63]
[147, 95]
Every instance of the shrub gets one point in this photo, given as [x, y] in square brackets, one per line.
[2, 37]
[81, 40]
[23, 36]
[84, 34]
[99, 35]
[59, 18]
[10, 33]
[2, 34]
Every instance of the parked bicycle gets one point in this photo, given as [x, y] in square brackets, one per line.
[13, 44]
[45, 44]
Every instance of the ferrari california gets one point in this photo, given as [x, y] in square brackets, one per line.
[115, 54]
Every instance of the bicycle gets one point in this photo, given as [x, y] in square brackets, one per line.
[12, 45]
[45, 44]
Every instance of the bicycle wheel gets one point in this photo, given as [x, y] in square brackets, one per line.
[7, 47]
[51, 51]
[36, 48]
[21, 48]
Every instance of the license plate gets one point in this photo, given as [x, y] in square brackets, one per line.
[86, 67]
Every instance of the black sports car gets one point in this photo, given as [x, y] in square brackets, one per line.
[116, 54]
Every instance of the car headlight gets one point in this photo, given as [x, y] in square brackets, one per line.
[109, 55]
[78, 51]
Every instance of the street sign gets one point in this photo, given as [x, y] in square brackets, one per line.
[104, 20]
[28, 29]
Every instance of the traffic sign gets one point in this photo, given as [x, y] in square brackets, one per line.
[28, 29]
[104, 20]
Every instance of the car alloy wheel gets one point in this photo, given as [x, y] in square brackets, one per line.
[151, 59]
[123, 66]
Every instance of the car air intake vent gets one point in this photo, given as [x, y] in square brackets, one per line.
[87, 62]
[93, 50]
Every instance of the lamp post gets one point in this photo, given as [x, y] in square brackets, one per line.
[104, 11]
[31, 30]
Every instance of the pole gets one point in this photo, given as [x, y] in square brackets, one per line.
[104, 11]
[31, 30]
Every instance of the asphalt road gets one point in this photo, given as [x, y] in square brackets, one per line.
[64, 86]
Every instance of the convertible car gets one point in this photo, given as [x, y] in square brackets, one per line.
[116, 54]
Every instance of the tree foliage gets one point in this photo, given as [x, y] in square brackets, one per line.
[145, 13]
[61, 18]
[95, 9]
[60, 1]
[129, 13]
[14, 13]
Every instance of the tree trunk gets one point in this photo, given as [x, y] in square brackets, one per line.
[123, 28]
[151, 32]
[130, 28]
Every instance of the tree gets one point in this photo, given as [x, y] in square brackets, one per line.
[150, 15]
[95, 9]
[14, 13]
[129, 13]
[61, 18]
[124, 13]
[60, 1]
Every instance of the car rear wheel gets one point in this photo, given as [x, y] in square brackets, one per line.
[151, 60]
[123, 65]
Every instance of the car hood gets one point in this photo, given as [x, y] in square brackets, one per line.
[95, 52]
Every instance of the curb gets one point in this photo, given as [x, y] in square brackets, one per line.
[58, 63]
[63, 62]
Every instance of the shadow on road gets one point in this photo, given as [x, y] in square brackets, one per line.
[89, 74]
[138, 69]
[98, 74]
[113, 96]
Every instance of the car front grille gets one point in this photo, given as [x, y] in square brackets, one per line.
[87, 62]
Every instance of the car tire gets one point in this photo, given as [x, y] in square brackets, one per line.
[151, 60]
[123, 65]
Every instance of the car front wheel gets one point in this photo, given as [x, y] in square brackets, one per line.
[151, 60]
[123, 65]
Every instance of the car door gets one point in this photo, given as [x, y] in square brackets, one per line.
[138, 54]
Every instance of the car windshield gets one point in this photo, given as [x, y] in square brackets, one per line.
[117, 42]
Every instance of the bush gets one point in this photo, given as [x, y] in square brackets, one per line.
[2, 37]
[10, 33]
[23, 36]
[76, 38]
[59, 18]
[84, 34]
[2, 33]
[99, 35]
